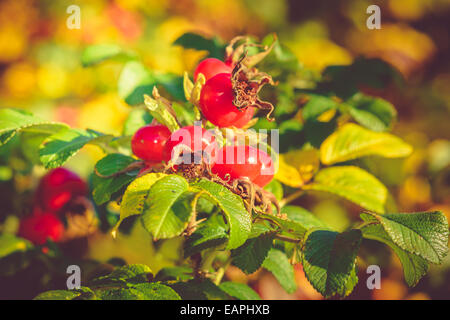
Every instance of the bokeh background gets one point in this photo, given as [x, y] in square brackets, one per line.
[40, 71]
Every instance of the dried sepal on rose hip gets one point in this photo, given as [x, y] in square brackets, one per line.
[229, 96]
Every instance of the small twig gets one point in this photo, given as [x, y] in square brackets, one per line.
[287, 239]
[291, 197]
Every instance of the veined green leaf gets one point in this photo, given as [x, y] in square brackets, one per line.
[58, 295]
[103, 188]
[133, 273]
[13, 121]
[373, 113]
[277, 263]
[302, 217]
[423, 233]
[414, 267]
[352, 183]
[239, 219]
[167, 207]
[134, 197]
[352, 141]
[60, 147]
[113, 163]
[211, 233]
[239, 291]
[329, 258]
[141, 291]
[250, 256]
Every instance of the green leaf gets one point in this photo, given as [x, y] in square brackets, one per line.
[172, 83]
[134, 197]
[352, 141]
[239, 291]
[238, 218]
[160, 111]
[302, 217]
[211, 233]
[199, 290]
[317, 105]
[286, 225]
[104, 188]
[250, 256]
[135, 80]
[277, 263]
[10, 244]
[60, 147]
[174, 273]
[113, 163]
[133, 273]
[414, 267]
[58, 295]
[373, 113]
[351, 283]
[167, 209]
[344, 80]
[329, 258]
[13, 121]
[423, 233]
[141, 291]
[352, 183]
[214, 46]
[97, 53]
[137, 118]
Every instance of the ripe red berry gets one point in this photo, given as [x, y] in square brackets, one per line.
[148, 142]
[237, 162]
[191, 139]
[210, 67]
[216, 103]
[267, 169]
[41, 226]
[57, 187]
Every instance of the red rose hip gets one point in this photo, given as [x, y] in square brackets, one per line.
[216, 103]
[190, 139]
[57, 188]
[40, 227]
[148, 142]
[210, 67]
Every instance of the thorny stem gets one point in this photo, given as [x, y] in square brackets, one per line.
[291, 197]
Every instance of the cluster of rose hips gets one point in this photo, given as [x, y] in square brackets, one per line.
[156, 143]
[55, 192]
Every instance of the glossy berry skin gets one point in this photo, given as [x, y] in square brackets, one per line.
[40, 227]
[148, 142]
[193, 139]
[239, 162]
[210, 67]
[267, 169]
[216, 103]
[57, 188]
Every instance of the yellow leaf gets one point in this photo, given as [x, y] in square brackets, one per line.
[352, 141]
[297, 167]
